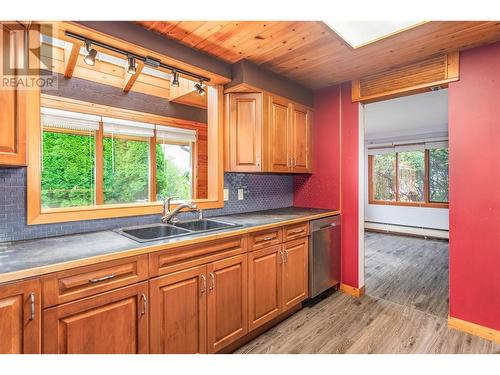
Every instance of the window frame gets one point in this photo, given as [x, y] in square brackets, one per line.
[38, 215]
[425, 203]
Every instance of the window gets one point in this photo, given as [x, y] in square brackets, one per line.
[384, 177]
[438, 175]
[174, 163]
[412, 175]
[92, 160]
[126, 161]
[68, 159]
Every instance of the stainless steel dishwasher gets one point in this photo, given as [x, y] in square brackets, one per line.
[324, 254]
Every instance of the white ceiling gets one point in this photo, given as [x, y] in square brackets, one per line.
[410, 115]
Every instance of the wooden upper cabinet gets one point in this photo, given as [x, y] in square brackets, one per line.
[179, 312]
[244, 127]
[295, 272]
[300, 139]
[114, 322]
[227, 301]
[266, 133]
[264, 285]
[12, 111]
[20, 318]
[279, 135]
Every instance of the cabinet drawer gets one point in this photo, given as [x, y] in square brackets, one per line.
[269, 237]
[73, 284]
[179, 258]
[294, 231]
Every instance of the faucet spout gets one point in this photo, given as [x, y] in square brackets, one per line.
[169, 216]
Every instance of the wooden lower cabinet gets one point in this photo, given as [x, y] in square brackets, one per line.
[295, 272]
[20, 317]
[179, 312]
[264, 285]
[200, 309]
[114, 322]
[227, 301]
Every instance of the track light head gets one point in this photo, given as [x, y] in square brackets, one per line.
[132, 68]
[199, 87]
[91, 54]
[175, 78]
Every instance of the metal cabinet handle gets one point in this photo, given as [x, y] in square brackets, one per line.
[282, 256]
[99, 279]
[268, 238]
[212, 280]
[203, 284]
[297, 231]
[32, 306]
[286, 256]
[144, 304]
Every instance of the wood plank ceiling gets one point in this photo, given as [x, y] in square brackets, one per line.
[312, 54]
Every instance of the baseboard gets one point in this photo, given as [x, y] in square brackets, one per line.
[352, 291]
[474, 329]
[407, 230]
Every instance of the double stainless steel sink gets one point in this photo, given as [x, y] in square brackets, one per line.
[153, 232]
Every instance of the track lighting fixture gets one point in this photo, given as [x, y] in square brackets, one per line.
[175, 78]
[132, 59]
[199, 87]
[91, 54]
[132, 68]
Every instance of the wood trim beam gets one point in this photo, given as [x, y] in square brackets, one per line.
[352, 291]
[70, 59]
[152, 168]
[99, 165]
[131, 78]
[474, 329]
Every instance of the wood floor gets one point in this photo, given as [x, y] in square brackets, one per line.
[401, 312]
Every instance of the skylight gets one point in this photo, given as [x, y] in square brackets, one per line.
[360, 33]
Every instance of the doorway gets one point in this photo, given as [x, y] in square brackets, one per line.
[405, 201]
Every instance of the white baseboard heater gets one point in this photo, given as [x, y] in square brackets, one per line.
[406, 229]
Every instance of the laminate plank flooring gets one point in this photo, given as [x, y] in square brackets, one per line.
[409, 271]
[384, 320]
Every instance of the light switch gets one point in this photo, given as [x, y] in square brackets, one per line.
[240, 194]
[226, 194]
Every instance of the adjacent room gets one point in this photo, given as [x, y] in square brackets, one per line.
[406, 201]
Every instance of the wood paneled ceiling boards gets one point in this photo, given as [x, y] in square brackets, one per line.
[313, 55]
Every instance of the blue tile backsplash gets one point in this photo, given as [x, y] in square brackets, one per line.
[261, 192]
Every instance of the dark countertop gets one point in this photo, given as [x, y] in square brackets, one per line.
[39, 255]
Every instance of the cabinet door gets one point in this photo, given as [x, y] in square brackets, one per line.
[227, 301]
[12, 118]
[279, 133]
[245, 132]
[264, 285]
[114, 322]
[20, 317]
[301, 139]
[295, 272]
[179, 312]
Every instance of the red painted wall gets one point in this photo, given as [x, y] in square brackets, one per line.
[474, 141]
[349, 192]
[334, 182]
[322, 188]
